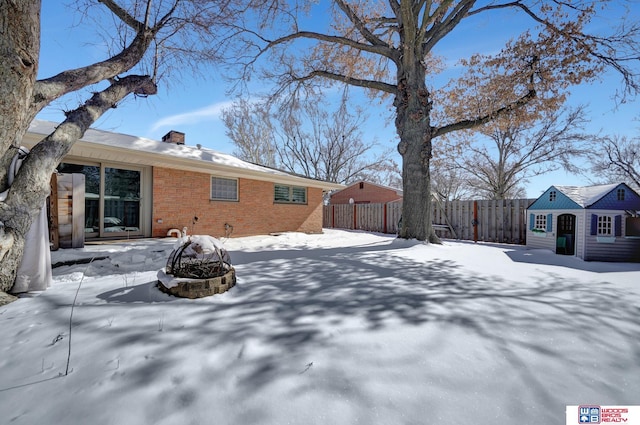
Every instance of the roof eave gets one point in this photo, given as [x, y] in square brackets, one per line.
[102, 152]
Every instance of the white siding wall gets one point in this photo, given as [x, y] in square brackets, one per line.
[623, 249]
[549, 240]
[536, 240]
[581, 230]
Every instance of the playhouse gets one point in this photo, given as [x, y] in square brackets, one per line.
[594, 223]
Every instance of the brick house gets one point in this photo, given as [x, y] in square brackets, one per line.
[136, 187]
[363, 192]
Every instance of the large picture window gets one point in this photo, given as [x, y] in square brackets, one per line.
[224, 189]
[290, 194]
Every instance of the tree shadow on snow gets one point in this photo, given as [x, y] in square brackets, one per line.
[290, 307]
[143, 293]
[547, 257]
[289, 303]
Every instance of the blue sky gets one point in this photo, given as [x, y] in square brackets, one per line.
[193, 106]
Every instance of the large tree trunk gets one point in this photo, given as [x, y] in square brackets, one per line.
[22, 97]
[19, 50]
[413, 108]
[28, 192]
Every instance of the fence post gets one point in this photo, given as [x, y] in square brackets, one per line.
[355, 219]
[475, 221]
[384, 218]
[333, 216]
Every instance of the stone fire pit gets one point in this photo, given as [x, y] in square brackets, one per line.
[198, 267]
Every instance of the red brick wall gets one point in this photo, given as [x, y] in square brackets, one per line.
[369, 193]
[178, 196]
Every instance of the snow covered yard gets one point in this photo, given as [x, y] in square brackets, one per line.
[339, 328]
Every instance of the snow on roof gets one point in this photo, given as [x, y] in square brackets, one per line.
[586, 195]
[204, 156]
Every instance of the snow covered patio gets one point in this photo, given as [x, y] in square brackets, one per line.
[339, 328]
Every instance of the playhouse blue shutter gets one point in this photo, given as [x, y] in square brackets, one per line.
[594, 224]
[532, 219]
[617, 225]
[549, 222]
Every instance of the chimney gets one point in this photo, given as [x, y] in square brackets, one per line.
[174, 137]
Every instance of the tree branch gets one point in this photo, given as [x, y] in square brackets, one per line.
[369, 84]
[587, 42]
[48, 153]
[378, 49]
[124, 16]
[360, 26]
[49, 89]
[467, 124]
[431, 37]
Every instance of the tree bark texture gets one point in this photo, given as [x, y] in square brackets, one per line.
[31, 186]
[22, 97]
[413, 124]
[19, 50]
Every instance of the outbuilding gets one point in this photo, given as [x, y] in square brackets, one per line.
[594, 223]
[364, 192]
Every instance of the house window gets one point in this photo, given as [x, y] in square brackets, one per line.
[632, 226]
[552, 196]
[541, 222]
[605, 225]
[361, 185]
[620, 194]
[290, 194]
[224, 189]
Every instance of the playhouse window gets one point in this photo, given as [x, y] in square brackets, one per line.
[541, 222]
[552, 196]
[605, 225]
[620, 194]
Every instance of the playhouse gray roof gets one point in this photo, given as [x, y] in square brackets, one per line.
[586, 195]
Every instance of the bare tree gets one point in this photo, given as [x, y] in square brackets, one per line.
[499, 157]
[448, 181]
[249, 128]
[146, 39]
[617, 159]
[387, 47]
[306, 138]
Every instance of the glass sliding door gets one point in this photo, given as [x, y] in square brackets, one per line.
[112, 199]
[91, 195]
[121, 201]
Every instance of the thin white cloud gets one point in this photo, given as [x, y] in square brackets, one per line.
[192, 117]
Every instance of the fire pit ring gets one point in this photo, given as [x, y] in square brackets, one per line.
[199, 266]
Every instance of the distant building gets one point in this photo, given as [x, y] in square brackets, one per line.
[594, 223]
[363, 192]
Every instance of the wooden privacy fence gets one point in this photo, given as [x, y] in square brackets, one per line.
[497, 220]
[381, 218]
